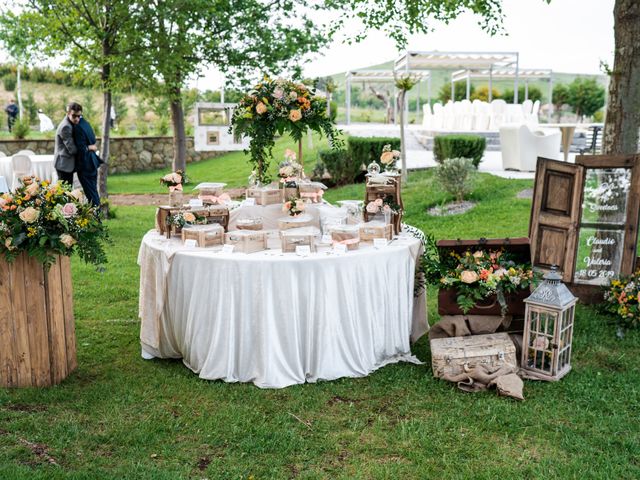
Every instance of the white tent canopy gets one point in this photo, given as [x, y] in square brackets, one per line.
[525, 74]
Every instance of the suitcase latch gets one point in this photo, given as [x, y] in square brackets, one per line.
[500, 355]
[448, 359]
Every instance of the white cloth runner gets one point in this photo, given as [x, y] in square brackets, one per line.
[278, 320]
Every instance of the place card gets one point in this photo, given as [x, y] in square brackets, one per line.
[248, 202]
[227, 248]
[380, 242]
[190, 243]
[326, 239]
[195, 203]
[339, 249]
[303, 250]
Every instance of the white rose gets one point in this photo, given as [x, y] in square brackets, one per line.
[67, 240]
[77, 194]
[29, 215]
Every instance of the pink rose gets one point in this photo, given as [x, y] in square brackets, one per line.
[69, 210]
[67, 240]
[261, 108]
[32, 189]
[378, 202]
[468, 276]
[295, 115]
[278, 93]
[372, 207]
[289, 154]
[300, 205]
[286, 206]
[293, 95]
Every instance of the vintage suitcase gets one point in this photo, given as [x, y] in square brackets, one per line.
[371, 230]
[454, 355]
[447, 298]
[295, 237]
[204, 235]
[265, 195]
[246, 241]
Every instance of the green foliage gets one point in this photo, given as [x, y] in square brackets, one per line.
[459, 146]
[364, 150]
[51, 107]
[9, 82]
[560, 95]
[340, 165]
[482, 93]
[456, 176]
[161, 126]
[460, 91]
[534, 94]
[586, 96]
[90, 112]
[334, 111]
[30, 107]
[120, 106]
[21, 128]
[142, 128]
[598, 116]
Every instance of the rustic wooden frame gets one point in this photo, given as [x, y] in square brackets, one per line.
[393, 188]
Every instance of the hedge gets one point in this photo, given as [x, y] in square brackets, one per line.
[364, 150]
[459, 146]
[339, 165]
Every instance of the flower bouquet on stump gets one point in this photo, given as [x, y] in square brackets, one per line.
[174, 181]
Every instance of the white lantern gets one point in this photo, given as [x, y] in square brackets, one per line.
[548, 330]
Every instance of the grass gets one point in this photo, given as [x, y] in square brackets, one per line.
[119, 416]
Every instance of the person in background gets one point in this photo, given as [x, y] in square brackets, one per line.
[112, 117]
[64, 155]
[12, 113]
[87, 160]
[46, 125]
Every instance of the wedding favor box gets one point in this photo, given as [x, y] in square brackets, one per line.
[246, 241]
[302, 220]
[265, 196]
[455, 355]
[209, 189]
[311, 191]
[218, 214]
[204, 235]
[371, 230]
[250, 223]
[348, 235]
[296, 237]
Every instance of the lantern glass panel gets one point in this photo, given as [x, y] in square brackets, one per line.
[539, 348]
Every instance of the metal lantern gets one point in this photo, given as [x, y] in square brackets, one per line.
[548, 330]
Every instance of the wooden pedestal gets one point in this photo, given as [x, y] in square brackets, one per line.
[37, 331]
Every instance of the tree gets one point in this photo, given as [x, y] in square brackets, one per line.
[460, 91]
[533, 94]
[482, 93]
[560, 97]
[176, 39]
[586, 96]
[90, 36]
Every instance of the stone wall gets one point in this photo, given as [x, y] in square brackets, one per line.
[129, 154]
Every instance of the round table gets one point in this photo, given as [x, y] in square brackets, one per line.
[279, 319]
[41, 166]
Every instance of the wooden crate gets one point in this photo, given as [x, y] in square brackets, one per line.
[451, 356]
[371, 230]
[204, 235]
[37, 330]
[295, 237]
[265, 196]
[246, 241]
[348, 235]
[391, 189]
[214, 213]
[302, 220]
[447, 298]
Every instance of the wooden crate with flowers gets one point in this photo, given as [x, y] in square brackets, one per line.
[383, 200]
[480, 277]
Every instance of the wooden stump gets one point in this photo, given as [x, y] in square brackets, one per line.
[37, 331]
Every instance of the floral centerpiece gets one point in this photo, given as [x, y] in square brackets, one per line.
[181, 219]
[174, 181]
[45, 220]
[293, 206]
[274, 107]
[389, 158]
[385, 206]
[621, 300]
[477, 274]
[290, 170]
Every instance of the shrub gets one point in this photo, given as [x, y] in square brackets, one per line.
[364, 150]
[9, 82]
[162, 126]
[142, 128]
[456, 176]
[334, 111]
[342, 168]
[31, 108]
[21, 128]
[459, 146]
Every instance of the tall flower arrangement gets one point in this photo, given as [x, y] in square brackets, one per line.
[44, 220]
[274, 107]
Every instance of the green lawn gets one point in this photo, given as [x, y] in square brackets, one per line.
[119, 416]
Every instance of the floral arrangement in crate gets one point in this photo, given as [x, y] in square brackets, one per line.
[174, 180]
[389, 158]
[180, 219]
[290, 170]
[293, 206]
[477, 274]
[45, 219]
[384, 205]
[621, 300]
[274, 107]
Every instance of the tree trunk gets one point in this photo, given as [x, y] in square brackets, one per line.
[623, 109]
[19, 91]
[179, 135]
[403, 150]
[103, 171]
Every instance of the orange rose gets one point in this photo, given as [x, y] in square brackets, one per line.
[295, 115]
[468, 276]
[261, 108]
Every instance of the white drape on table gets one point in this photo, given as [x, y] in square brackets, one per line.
[277, 320]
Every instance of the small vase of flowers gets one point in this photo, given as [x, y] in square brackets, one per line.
[294, 206]
[174, 181]
[389, 158]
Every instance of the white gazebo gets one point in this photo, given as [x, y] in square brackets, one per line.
[379, 76]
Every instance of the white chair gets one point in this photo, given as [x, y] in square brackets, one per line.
[427, 116]
[521, 146]
[449, 116]
[514, 113]
[21, 165]
[438, 116]
[498, 114]
[3, 185]
[481, 115]
[2, 154]
[26, 152]
[464, 116]
[533, 117]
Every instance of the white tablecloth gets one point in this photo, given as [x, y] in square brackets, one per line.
[279, 319]
[41, 167]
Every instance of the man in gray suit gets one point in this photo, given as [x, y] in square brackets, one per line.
[64, 155]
